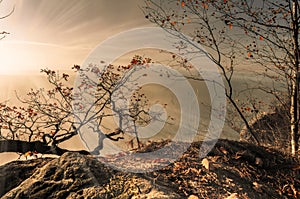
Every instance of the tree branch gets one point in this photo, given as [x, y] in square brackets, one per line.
[37, 146]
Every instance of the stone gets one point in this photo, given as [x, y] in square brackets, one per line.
[80, 176]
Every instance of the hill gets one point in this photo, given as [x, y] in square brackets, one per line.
[231, 170]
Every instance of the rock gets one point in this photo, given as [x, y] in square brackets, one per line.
[78, 176]
[243, 171]
[13, 173]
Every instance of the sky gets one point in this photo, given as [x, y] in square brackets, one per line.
[60, 33]
[56, 34]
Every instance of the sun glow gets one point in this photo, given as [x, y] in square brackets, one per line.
[29, 57]
[14, 58]
[59, 33]
[31, 44]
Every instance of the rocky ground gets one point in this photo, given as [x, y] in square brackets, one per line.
[231, 170]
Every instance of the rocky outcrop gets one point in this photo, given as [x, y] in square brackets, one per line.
[77, 176]
[230, 170]
[13, 173]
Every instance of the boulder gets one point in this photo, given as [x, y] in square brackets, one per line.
[77, 176]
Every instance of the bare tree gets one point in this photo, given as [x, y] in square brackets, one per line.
[244, 32]
[52, 116]
[195, 20]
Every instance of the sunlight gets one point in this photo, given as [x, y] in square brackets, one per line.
[19, 57]
[8, 59]
[56, 33]
[30, 45]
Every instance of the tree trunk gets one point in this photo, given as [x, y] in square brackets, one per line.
[294, 118]
[136, 135]
[295, 84]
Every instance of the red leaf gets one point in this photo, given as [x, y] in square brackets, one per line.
[247, 109]
[204, 5]
[261, 38]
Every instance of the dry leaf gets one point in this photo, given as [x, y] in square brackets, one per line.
[255, 184]
[223, 150]
[294, 190]
[205, 163]
[259, 161]
[193, 197]
[215, 158]
[237, 157]
[240, 154]
[228, 180]
[232, 196]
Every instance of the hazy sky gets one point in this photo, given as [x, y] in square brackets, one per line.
[60, 33]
